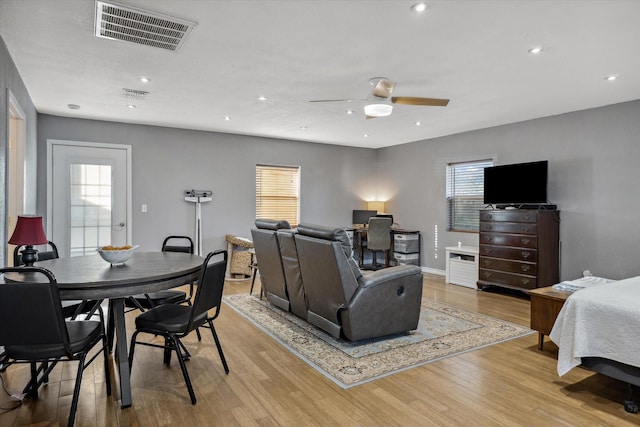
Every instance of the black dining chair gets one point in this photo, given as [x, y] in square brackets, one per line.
[34, 331]
[144, 302]
[70, 308]
[175, 321]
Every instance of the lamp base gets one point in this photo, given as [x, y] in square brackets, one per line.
[29, 255]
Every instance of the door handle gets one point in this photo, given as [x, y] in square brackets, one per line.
[121, 225]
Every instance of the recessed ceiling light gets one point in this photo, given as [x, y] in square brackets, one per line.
[144, 79]
[419, 7]
[227, 118]
[611, 78]
[366, 135]
[131, 106]
[262, 98]
[418, 123]
[303, 127]
[535, 50]
[349, 111]
[73, 106]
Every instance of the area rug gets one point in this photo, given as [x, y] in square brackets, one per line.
[443, 331]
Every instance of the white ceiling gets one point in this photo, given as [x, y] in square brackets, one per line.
[472, 52]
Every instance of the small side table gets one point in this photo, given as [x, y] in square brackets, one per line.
[462, 265]
[546, 304]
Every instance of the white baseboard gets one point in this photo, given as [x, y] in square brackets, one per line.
[433, 271]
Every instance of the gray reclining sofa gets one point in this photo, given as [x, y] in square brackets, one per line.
[329, 289]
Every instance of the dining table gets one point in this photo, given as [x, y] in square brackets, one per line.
[89, 277]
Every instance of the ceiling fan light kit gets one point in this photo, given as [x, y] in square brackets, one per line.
[378, 110]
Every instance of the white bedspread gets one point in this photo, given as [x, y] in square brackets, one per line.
[600, 321]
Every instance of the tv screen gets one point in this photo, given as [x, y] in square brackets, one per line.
[520, 183]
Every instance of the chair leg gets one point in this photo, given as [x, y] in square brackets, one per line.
[33, 386]
[76, 391]
[374, 262]
[220, 352]
[105, 351]
[132, 348]
[175, 344]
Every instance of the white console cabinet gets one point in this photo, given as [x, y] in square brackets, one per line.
[462, 266]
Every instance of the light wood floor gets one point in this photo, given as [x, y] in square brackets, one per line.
[509, 384]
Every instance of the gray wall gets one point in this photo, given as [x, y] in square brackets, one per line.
[167, 161]
[10, 80]
[593, 178]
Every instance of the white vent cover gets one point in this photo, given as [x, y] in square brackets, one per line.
[134, 93]
[120, 22]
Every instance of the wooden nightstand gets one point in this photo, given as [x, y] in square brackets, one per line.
[546, 303]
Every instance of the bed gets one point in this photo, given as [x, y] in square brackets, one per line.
[598, 328]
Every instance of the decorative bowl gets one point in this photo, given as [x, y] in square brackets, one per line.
[117, 254]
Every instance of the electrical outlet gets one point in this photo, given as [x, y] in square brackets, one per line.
[144, 207]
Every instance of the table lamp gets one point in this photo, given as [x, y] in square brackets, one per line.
[29, 231]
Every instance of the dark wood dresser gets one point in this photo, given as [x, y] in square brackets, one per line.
[519, 248]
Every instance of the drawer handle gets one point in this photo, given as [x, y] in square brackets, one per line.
[488, 239]
[487, 262]
[487, 251]
[526, 228]
[487, 274]
[526, 241]
[525, 281]
[524, 267]
[527, 216]
[526, 254]
[489, 216]
[490, 227]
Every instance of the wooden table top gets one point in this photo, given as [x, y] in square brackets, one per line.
[91, 277]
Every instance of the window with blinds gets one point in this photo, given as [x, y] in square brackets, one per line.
[465, 194]
[278, 193]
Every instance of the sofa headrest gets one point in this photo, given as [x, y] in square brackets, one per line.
[328, 233]
[271, 224]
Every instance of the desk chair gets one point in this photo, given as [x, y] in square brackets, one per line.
[379, 238]
[175, 321]
[34, 331]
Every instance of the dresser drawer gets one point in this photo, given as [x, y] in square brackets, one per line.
[509, 216]
[521, 254]
[509, 227]
[520, 267]
[507, 279]
[521, 241]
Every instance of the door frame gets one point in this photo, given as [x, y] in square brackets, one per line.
[15, 182]
[129, 198]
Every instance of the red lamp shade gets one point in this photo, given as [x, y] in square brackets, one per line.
[29, 231]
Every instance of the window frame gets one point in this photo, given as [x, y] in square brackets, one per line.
[466, 219]
[285, 203]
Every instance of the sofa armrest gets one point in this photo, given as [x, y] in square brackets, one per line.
[383, 276]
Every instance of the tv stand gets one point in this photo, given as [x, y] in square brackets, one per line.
[538, 206]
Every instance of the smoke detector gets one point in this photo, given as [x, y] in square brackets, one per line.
[120, 22]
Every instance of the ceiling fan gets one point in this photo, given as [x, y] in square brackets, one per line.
[380, 102]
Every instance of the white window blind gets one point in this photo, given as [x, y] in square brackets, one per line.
[465, 194]
[278, 193]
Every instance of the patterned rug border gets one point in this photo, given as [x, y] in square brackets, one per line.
[348, 364]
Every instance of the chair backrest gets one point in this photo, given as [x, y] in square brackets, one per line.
[42, 255]
[379, 233]
[30, 310]
[178, 244]
[210, 287]
[292, 276]
[329, 273]
[270, 266]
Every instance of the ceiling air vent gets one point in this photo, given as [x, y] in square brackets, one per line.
[120, 22]
[134, 93]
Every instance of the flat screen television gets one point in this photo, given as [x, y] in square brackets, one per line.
[516, 184]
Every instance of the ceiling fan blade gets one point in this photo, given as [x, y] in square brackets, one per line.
[331, 100]
[410, 100]
[384, 88]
